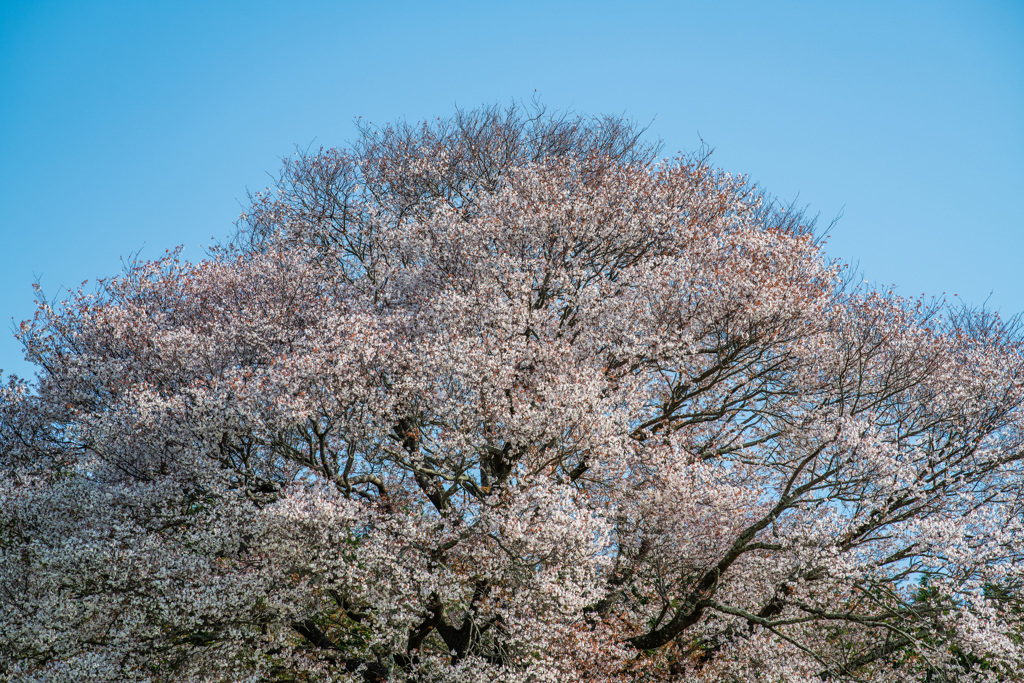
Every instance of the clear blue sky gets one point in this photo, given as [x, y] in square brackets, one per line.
[140, 125]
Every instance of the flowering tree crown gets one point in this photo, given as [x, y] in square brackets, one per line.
[503, 397]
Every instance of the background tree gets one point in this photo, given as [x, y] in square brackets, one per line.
[502, 397]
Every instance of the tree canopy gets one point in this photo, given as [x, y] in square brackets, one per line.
[505, 397]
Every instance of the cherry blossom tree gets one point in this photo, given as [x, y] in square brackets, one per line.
[502, 397]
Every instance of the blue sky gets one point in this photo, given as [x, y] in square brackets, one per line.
[128, 126]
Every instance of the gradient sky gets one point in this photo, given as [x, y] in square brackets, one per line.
[128, 126]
